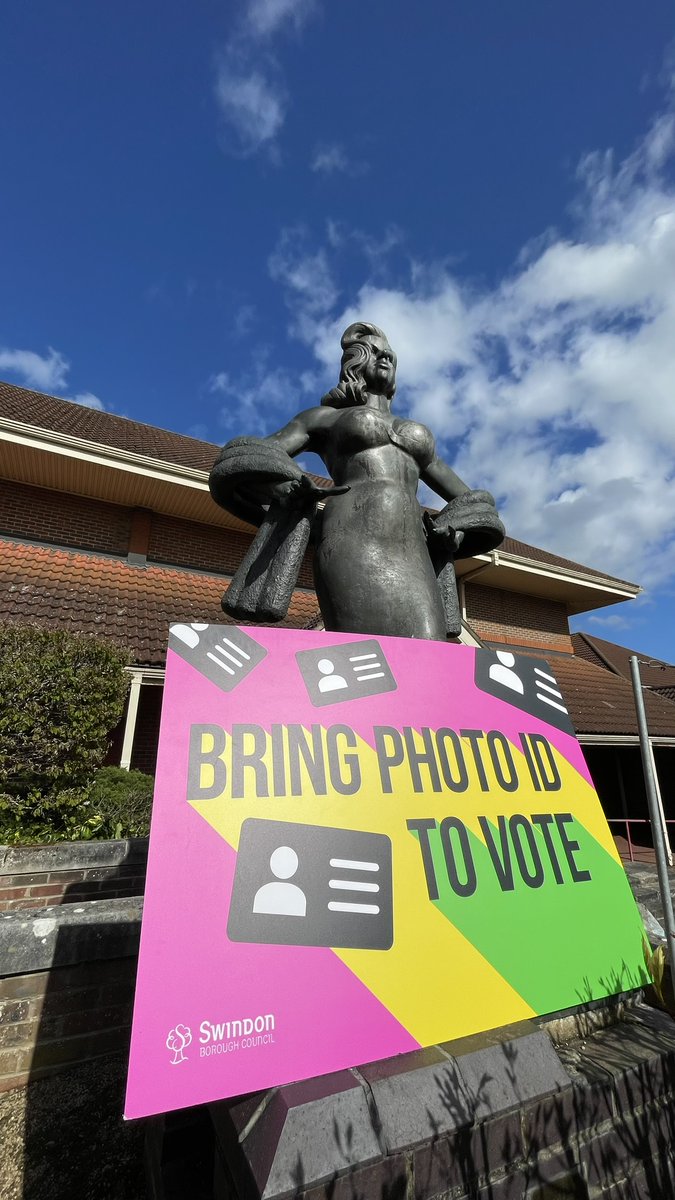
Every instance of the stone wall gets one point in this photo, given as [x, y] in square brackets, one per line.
[66, 987]
[66, 992]
[71, 872]
[578, 1106]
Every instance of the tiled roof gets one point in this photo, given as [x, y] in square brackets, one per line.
[523, 550]
[106, 429]
[106, 597]
[583, 649]
[600, 702]
[617, 658]
[63, 416]
[134, 606]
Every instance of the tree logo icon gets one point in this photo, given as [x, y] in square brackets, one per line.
[177, 1042]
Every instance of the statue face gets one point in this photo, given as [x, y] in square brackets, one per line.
[379, 372]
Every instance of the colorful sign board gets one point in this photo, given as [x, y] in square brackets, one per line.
[361, 846]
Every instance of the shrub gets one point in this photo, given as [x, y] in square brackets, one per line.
[120, 802]
[61, 695]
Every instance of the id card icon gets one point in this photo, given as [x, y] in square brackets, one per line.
[223, 653]
[312, 885]
[527, 683]
[347, 671]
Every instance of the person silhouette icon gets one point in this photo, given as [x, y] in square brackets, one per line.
[502, 673]
[330, 682]
[189, 634]
[281, 898]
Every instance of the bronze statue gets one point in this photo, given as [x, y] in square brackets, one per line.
[382, 565]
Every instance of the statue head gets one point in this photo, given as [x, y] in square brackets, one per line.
[368, 364]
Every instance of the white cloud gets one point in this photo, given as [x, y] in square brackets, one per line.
[219, 382]
[249, 90]
[257, 398]
[265, 18]
[306, 277]
[609, 621]
[555, 389]
[251, 105]
[244, 320]
[45, 372]
[88, 399]
[330, 159]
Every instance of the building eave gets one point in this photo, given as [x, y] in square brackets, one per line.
[43, 458]
[578, 590]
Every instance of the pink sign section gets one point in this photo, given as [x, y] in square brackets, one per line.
[214, 1016]
[194, 984]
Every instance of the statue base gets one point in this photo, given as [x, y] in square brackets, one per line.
[579, 1104]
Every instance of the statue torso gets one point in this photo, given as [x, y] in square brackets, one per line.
[358, 430]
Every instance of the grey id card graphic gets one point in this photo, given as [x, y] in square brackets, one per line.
[312, 885]
[526, 683]
[223, 653]
[347, 671]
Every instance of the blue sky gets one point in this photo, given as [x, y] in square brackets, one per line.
[196, 199]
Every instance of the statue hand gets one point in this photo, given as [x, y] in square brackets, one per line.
[284, 492]
[302, 491]
[470, 522]
[441, 526]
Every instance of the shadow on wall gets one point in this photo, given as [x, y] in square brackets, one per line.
[541, 1150]
[65, 1013]
[488, 1124]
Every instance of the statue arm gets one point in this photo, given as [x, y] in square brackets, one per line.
[251, 473]
[300, 433]
[443, 479]
[469, 524]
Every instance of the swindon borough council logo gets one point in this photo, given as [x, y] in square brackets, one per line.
[177, 1042]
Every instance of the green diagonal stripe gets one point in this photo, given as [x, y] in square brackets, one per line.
[559, 944]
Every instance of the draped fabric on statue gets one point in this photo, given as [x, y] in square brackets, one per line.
[474, 517]
[263, 584]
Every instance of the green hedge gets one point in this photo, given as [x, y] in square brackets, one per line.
[61, 695]
[119, 803]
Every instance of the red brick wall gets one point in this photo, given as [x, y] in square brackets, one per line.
[516, 619]
[83, 523]
[189, 544]
[55, 1019]
[48, 516]
[42, 888]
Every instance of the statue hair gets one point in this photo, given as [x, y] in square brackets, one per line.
[351, 387]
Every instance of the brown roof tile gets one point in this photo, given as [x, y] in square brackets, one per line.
[600, 702]
[617, 658]
[524, 550]
[107, 598]
[134, 606]
[106, 429]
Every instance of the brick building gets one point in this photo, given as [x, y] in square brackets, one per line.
[107, 527]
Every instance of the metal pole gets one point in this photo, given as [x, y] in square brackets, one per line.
[657, 785]
[655, 816]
